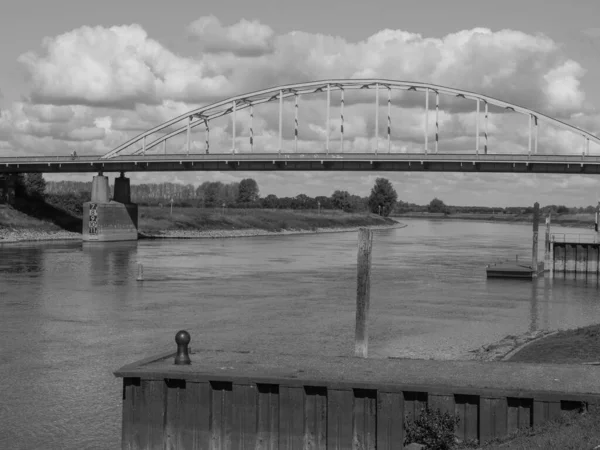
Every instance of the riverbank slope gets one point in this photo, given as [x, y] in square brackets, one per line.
[157, 222]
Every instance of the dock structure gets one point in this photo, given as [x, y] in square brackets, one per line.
[244, 400]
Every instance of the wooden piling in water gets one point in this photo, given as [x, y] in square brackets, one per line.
[363, 288]
[140, 276]
[534, 256]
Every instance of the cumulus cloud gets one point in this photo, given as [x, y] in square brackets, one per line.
[245, 38]
[115, 67]
[96, 87]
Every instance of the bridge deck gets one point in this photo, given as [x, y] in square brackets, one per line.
[393, 162]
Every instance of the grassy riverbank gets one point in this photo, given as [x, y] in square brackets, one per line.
[567, 220]
[156, 222]
[572, 430]
[186, 222]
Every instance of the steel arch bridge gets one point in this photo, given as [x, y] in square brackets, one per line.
[148, 151]
[203, 115]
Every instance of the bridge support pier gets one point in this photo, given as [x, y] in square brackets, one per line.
[106, 220]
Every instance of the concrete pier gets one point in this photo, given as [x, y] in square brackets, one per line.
[108, 220]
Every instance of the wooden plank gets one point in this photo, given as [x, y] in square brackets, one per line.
[197, 411]
[221, 415]
[291, 418]
[390, 420]
[363, 288]
[268, 417]
[471, 428]
[131, 413]
[187, 417]
[339, 419]
[243, 436]
[364, 419]
[492, 418]
[443, 402]
[525, 413]
[315, 418]
[153, 414]
[414, 403]
[174, 418]
[467, 410]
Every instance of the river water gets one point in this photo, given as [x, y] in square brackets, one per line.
[71, 314]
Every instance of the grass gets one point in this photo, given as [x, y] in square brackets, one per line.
[566, 347]
[572, 431]
[152, 219]
[37, 216]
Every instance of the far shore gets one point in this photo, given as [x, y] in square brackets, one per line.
[563, 220]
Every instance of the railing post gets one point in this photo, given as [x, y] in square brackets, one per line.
[342, 121]
[296, 122]
[233, 127]
[389, 128]
[376, 118]
[437, 125]
[280, 120]
[363, 287]
[207, 135]
[477, 128]
[535, 148]
[426, 118]
[327, 123]
[485, 129]
[251, 129]
[189, 127]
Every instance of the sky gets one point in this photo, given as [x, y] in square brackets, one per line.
[87, 76]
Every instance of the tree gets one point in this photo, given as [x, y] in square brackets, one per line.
[383, 197]
[30, 185]
[341, 200]
[247, 191]
[437, 206]
[211, 194]
[270, 201]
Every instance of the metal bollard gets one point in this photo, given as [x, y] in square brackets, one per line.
[182, 338]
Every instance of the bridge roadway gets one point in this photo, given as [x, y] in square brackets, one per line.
[384, 162]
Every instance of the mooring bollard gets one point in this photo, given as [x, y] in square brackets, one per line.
[182, 338]
[140, 276]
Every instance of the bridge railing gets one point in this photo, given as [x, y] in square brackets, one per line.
[380, 156]
[575, 238]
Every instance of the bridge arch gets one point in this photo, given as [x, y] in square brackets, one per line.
[204, 114]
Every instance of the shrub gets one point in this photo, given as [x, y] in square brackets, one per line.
[431, 428]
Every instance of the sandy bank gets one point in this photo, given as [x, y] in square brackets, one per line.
[217, 234]
[11, 236]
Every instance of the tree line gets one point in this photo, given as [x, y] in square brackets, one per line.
[71, 195]
[243, 194]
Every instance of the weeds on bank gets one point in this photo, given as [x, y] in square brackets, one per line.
[572, 430]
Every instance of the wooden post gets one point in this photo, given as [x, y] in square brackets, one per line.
[363, 290]
[547, 261]
[534, 256]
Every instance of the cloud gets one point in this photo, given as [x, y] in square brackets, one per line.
[245, 38]
[115, 67]
[93, 88]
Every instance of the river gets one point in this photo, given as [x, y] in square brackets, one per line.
[71, 314]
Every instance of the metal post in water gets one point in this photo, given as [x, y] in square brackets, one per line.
[140, 276]
[534, 256]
